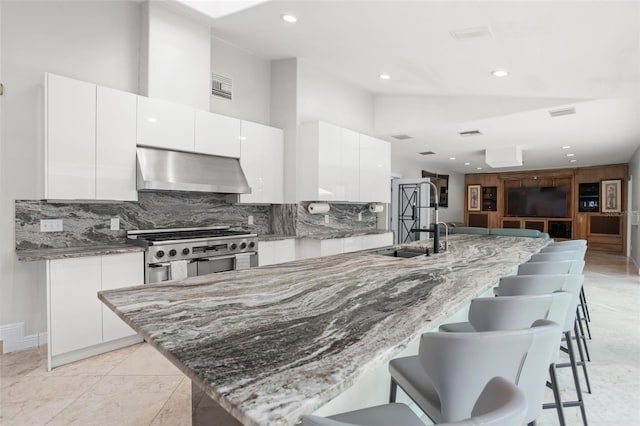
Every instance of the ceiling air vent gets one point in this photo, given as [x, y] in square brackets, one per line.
[563, 111]
[426, 153]
[402, 137]
[221, 86]
[470, 133]
[473, 33]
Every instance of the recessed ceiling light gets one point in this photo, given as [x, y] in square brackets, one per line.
[573, 161]
[479, 168]
[452, 158]
[467, 164]
[289, 18]
[500, 73]
[566, 147]
[571, 155]
[384, 76]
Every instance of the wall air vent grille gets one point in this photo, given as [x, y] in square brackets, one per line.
[402, 137]
[563, 111]
[473, 33]
[426, 153]
[470, 133]
[221, 86]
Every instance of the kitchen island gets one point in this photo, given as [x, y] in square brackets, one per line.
[271, 344]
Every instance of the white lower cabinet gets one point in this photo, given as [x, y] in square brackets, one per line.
[273, 252]
[120, 270]
[79, 324]
[75, 314]
[309, 247]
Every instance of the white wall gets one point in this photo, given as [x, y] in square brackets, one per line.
[321, 96]
[409, 168]
[284, 114]
[251, 75]
[634, 237]
[177, 57]
[92, 41]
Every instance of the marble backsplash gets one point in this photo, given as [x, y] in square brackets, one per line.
[88, 223]
[295, 219]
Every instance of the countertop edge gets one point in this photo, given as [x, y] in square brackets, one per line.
[74, 252]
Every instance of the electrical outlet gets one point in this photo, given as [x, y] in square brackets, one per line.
[51, 225]
[115, 223]
[326, 219]
[250, 220]
[359, 217]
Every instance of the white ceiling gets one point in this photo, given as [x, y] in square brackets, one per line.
[580, 53]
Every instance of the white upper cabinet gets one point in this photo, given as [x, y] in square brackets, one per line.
[217, 134]
[90, 141]
[337, 164]
[165, 124]
[116, 145]
[262, 160]
[375, 170]
[70, 138]
[350, 160]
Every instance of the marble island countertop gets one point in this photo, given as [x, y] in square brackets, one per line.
[270, 344]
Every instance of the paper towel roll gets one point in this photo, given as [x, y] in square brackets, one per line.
[376, 208]
[318, 208]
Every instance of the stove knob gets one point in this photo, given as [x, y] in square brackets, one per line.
[185, 251]
[233, 246]
[252, 244]
[243, 246]
[172, 252]
[159, 254]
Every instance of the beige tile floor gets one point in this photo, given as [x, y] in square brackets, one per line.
[137, 386]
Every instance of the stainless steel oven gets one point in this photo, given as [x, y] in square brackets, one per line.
[173, 254]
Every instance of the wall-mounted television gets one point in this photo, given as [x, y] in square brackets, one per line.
[547, 201]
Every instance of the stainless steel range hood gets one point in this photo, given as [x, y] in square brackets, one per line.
[161, 169]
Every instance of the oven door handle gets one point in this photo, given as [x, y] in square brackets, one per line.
[230, 256]
[165, 264]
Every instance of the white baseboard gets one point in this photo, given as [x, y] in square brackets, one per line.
[14, 339]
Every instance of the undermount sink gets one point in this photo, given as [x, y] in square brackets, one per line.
[406, 253]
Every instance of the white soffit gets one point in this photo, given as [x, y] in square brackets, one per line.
[508, 156]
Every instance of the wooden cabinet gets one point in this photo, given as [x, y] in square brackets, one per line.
[375, 170]
[582, 219]
[165, 124]
[70, 138]
[90, 141]
[274, 252]
[217, 134]
[79, 324]
[337, 164]
[262, 160]
[115, 145]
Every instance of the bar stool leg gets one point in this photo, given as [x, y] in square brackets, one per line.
[556, 394]
[582, 359]
[576, 380]
[393, 390]
[581, 335]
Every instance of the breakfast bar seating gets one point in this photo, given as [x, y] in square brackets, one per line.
[271, 344]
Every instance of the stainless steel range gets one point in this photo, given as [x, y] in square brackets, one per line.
[186, 252]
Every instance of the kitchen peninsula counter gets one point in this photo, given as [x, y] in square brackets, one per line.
[273, 343]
